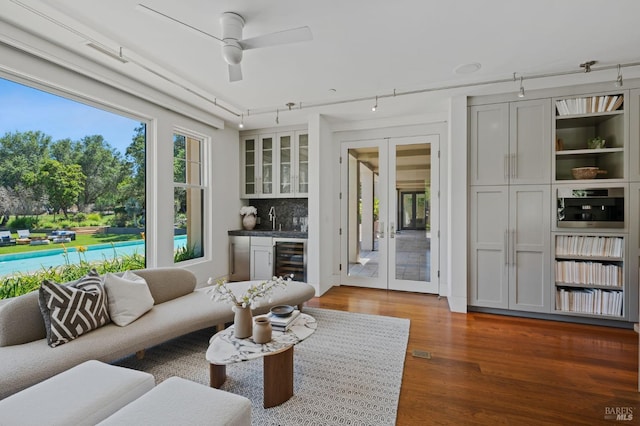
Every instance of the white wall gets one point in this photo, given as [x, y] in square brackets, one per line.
[321, 266]
[456, 265]
[223, 155]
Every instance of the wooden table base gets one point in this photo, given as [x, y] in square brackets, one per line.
[278, 377]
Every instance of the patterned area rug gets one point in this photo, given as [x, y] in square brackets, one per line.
[347, 373]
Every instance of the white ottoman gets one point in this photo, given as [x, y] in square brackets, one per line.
[82, 395]
[178, 401]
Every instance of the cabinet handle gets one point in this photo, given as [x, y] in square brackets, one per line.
[505, 242]
[381, 233]
[506, 167]
[392, 233]
[514, 166]
[513, 247]
[232, 258]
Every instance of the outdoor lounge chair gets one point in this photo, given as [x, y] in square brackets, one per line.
[24, 236]
[6, 239]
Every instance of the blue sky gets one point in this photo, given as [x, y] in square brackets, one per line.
[23, 108]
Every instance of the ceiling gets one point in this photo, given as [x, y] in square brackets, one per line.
[360, 49]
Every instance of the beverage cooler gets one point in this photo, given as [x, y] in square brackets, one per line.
[290, 257]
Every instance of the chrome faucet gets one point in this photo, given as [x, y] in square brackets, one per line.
[272, 218]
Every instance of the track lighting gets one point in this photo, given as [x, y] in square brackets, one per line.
[375, 107]
[619, 79]
[521, 93]
[277, 116]
[241, 125]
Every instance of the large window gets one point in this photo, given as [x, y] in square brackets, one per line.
[189, 193]
[72, 177]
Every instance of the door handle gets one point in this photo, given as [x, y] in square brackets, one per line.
[381, 231]
[392, 233]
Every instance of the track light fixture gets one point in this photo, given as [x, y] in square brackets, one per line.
[241, 125]
[521, 92]
[277, 116]
[619, 79]
[375, 107]
[587, 65]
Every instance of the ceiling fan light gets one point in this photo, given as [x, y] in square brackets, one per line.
[232, 52]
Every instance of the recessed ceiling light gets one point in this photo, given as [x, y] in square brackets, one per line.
[467, 68]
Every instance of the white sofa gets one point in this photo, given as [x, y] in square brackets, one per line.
[97, 393]
[180, 308]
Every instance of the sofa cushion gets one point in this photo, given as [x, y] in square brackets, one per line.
[72, 310]
[128, 296]
[21, 320]
[168, 283]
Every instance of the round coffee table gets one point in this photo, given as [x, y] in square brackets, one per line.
[277, 357]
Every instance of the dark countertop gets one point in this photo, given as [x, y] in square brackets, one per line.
[268, 233]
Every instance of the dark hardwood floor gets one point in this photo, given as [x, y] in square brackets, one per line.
[498, 370]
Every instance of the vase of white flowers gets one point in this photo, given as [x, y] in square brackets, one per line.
[248, 214]
[241, 305]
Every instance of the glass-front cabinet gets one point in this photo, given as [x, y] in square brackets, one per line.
[293, 164]
[275, 165]
[258, 168]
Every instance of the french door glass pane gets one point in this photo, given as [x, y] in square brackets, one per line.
[413, 238]
[362, 212]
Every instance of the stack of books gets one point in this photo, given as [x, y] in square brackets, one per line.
[283, 323]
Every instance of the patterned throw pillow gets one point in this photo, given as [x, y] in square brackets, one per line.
[74, 309]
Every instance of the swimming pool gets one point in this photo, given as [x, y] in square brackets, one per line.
[36, 260]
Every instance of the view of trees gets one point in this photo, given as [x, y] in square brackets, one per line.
[39, 175]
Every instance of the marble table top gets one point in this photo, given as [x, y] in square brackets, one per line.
[224, 348]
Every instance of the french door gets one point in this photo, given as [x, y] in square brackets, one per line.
[378, 250]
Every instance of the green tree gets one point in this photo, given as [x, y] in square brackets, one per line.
[135, 185]
[103, 167]
[63, 182]
[21, 152]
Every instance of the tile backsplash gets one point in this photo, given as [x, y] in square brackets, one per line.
[291, 213]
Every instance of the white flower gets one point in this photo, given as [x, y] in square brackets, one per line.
[245, 210]
[220, 292]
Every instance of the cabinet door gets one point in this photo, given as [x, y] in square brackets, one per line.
[261, 262]
[286, 167]
[530, 248]
[267, 160]
[489, 144]
[239, 258]
[633, 109]
[488, 228]
[530, 141]
[302, 164]
[250, 166]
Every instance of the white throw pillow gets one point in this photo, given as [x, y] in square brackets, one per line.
[129, 297]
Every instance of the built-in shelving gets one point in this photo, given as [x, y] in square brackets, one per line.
[579, 120]
[589, 275]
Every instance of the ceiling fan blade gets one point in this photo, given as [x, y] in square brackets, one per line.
[157, 14]
[294, 35]
[235, 73]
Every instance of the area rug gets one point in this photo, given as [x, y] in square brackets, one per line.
[348, 372]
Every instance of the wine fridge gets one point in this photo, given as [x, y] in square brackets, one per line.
[290, 256]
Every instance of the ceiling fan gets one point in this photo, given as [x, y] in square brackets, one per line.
[233, 45]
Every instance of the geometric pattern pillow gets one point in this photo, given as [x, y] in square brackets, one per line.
[72, 310]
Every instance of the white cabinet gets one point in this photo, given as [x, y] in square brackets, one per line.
[510, 247]
[634, 135]
[275, 165]
[293, 163]
[510, 143]
[261, 258]
[258, 169]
